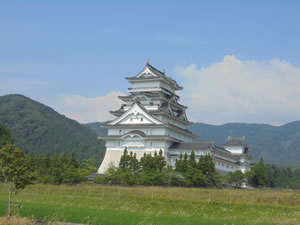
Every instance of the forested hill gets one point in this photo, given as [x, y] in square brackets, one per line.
[37, 128]
[276, 144]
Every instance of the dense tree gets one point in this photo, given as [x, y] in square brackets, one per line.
[207, 167]
[60, 169]
[182, 164]
[124, 161]
[236, 178]
[258, 175]
[5, 136]
[201, 173]
[152, 169]
[192, 163]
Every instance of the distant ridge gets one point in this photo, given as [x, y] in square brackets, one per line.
[276, 144]
[37, 128]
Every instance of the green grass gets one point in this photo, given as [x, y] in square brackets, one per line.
[99, 204]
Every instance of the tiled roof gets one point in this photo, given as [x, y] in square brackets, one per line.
[193, 145]
[158, 73]
[236, 141]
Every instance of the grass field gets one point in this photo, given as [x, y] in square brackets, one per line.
[100, 204]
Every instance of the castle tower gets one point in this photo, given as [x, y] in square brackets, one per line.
[150, 119]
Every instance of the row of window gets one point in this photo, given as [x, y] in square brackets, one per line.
[151, 144]
[223, 165]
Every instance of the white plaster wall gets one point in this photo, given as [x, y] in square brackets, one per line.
[219, 163]
[112, 156]
[145, 84]
[178, 135]
[166, 86]
[147, 131]
[224, 167]
[235, 149]
[136, 119]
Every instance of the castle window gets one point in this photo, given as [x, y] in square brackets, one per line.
[120, 131]
[142, 119]
[130, 119]
[151, 144]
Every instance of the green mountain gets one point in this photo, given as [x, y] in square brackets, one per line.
[38, 129]
[97, 127]
[276, 144]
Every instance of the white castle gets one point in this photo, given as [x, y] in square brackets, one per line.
[152, 119]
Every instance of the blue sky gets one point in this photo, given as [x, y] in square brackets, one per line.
[53, 51]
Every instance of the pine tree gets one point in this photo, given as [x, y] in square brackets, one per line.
[192, 160]
[185, 162]
[124, 160]
[134, 163]
[179, 164]
[161, 161]
[73, 161]
[259, 178]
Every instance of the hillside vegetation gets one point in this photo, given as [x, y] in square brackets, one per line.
[276, 144]
[38, 129]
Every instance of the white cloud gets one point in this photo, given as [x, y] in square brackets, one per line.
[242, 91]
[86, 110]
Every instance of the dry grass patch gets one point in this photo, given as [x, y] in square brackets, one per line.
[15, 221]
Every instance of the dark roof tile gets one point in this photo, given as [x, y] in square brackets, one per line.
[236, 141]
[193, 145]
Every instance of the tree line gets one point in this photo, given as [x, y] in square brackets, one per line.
[264, 175]
[153, 170]
[189, 172]
[149, 170]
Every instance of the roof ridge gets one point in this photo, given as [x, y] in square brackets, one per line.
[155, 70]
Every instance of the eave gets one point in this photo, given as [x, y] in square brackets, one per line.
[164, 79]
[147, 137]
[158, 112]
[135, 126]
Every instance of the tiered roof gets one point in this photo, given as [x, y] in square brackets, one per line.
[170, 106]
[178, 115]
[151, 73]
[161, 123]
